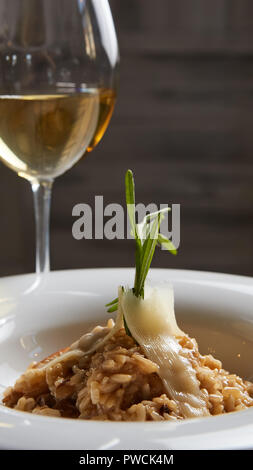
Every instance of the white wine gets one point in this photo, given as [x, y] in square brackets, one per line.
[42, 136]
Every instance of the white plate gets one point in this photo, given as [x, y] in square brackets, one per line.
[216, 308]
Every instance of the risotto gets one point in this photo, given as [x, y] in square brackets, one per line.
[143, 367]
[117, 382]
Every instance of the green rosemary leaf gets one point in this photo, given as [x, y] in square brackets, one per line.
[130, 201]
[113, 308]
[167, 244]
[115, 301]
[151, 216]
[138, 255]
[130, 198]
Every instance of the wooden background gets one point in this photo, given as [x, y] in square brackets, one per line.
[183, 122]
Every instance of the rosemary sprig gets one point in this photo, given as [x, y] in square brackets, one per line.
[147, 236]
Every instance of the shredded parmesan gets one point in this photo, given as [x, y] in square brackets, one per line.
[152, 323]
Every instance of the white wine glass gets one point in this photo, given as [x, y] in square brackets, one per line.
[58, 76]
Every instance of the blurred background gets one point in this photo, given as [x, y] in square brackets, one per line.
[182, 123]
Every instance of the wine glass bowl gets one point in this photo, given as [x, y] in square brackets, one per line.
[42, 136]
[59, 63]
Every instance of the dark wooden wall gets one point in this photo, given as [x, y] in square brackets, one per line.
[183, 122]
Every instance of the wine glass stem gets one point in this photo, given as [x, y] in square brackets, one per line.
[42, 199]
